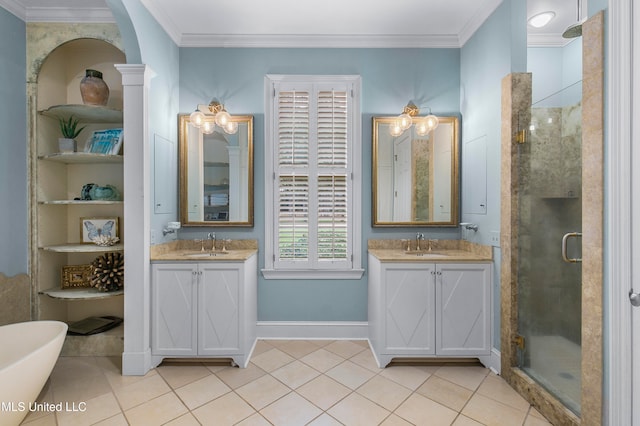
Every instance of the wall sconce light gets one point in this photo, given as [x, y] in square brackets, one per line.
[409, 116]
[214, 114]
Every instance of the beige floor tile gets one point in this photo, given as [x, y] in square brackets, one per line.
[226, 410]
[323, 391]
[325, 420]
[465, 421]
[299, 348]
[356, 410]
[468, 376]
[184, 420]
[384, 392]
[488, 411]
[344, 348]
[95, 410]
[349, 374]
[535, 413]
[255, 420]
[202, 391]
[322, 360]
[496, 388]
[295, 374]
[157, 411]
[46, 420]
[422, 411]
[78, 385]
[408, 376]
[272, 360]
[291, 410]
[236, 377]
[366, 359]
[445, 392]
[261, 347]
[535, 421]
[141, 391]
[117, 420]
[262, 392]
[394, 420]
[118, 381]
[178, 375]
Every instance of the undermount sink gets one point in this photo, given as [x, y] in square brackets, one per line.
[205, 254]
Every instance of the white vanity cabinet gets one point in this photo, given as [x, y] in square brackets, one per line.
[421, 309]
[204, 309]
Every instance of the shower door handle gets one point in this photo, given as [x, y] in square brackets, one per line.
[634, 298]
[564, 247]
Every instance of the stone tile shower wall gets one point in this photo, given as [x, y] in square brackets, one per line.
[550, 206]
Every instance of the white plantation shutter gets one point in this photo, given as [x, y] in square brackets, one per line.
[310, 148]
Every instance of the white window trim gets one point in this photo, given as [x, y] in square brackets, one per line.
[269, 271]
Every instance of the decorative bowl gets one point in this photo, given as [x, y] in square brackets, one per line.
[105, 240]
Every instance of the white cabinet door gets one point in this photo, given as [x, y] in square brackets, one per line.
[173, 309]
[219, 310]
[463, 309]
[410, 309]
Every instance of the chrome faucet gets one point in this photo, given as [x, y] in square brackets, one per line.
[419, 236]
[212, 236]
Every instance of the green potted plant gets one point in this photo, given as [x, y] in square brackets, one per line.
[69, 129]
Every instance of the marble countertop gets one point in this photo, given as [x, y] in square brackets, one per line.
[191, 251]
[441, 251]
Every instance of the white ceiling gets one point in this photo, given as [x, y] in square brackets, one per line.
[303, 23]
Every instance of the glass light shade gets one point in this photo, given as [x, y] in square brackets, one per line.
[208, 127]
[395, 129]
[222, 118]
[422, 127]
[541, 19]
[431, 121]
[231, 127]
[405, 121]
[197, 118]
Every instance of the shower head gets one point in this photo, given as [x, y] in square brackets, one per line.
[574, 30]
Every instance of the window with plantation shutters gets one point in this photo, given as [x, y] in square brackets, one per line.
[312, 159]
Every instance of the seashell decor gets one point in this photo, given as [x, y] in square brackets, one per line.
[105, 240]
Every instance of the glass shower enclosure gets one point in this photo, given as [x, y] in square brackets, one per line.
[549, 268]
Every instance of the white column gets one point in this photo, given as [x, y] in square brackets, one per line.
[136, 359]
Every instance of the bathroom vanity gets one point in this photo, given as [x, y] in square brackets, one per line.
[203, 303]
[427, 304]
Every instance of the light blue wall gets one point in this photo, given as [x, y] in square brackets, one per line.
[390, 78]
[14, 233]
[553, 69]
[497, 49]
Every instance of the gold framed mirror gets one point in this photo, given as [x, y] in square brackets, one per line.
[216, 174]
[415, 179]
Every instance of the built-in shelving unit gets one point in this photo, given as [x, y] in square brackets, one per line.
[57, 181]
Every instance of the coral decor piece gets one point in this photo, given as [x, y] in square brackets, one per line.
[108, 272]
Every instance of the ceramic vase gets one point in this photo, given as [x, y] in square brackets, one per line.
[93, 89]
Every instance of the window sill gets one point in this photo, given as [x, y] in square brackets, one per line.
[305, 274]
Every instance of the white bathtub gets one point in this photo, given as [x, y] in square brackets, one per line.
[29, 350]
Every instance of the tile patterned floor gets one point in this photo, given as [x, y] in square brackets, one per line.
[288, 382]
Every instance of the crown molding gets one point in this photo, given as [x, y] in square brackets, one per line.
[164, 20]
[547, 40]
[14, 8]
[67, 14]
[477, 20]
[318, 41]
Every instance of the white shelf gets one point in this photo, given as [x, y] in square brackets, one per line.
[85, 293]
[82, 158]
[85, 113]
[80, 202]
[83, 248]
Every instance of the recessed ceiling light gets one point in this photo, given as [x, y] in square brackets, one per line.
[541, 19]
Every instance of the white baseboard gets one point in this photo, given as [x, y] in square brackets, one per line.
[336, 330]
[492, 361]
